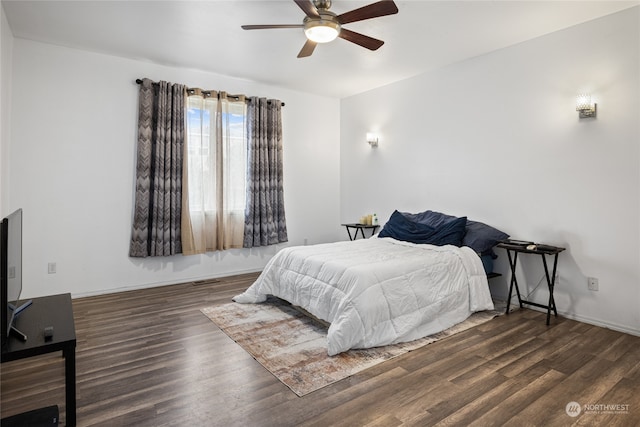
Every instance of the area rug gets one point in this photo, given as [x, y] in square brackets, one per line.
[293, 346]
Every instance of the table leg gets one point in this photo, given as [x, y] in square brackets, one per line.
[69, 354]
[349, 232]
[551, 284]
[514, 281]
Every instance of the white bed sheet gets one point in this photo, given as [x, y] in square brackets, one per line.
[376, 291]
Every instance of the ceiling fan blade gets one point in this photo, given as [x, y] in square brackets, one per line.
[307, 49]
[268, 27]
[374, 10]
[308, 8]
[360, 39]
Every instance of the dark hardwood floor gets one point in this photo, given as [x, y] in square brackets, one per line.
[151, 358]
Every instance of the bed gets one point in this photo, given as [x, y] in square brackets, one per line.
[383, 290]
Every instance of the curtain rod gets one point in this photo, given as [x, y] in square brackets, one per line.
[139, 81]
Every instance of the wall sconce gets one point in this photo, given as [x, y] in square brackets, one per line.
[585, 107]
[372, 139]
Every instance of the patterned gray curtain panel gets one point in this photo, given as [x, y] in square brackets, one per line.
[265, 222]
[158, 198]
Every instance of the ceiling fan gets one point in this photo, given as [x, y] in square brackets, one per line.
[322, 26]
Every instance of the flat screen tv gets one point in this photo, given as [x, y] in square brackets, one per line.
[11, 274]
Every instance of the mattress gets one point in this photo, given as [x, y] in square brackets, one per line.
[376, 291]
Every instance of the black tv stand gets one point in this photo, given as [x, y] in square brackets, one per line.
[55, 311]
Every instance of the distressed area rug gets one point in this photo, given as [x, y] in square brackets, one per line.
[293, 346]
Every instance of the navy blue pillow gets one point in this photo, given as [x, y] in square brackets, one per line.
[449, 233]
[431, 218]
[482, 237]
[479, 236]
[400, 227]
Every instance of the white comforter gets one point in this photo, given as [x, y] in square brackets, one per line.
[376, 291]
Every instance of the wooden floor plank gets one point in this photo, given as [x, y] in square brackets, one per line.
[150, 358]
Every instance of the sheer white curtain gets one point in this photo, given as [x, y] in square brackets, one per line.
[214, 183]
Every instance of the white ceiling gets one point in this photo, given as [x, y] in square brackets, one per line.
[206, 35]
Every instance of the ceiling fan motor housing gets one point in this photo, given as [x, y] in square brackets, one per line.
[323, 29]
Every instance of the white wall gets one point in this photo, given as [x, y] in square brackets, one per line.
[497, 138]
[6, 50]
[73, 145]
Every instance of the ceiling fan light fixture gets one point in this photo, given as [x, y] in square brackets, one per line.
[321, 31]
[321, 25]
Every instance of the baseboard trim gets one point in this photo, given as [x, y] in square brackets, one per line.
[589, 321]
[601, 323]
[574, 316]
[162, 283]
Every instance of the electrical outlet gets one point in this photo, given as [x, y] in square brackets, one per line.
[592, 283]
[51, 268]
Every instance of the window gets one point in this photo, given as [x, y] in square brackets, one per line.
[216, 170]
[224, 189]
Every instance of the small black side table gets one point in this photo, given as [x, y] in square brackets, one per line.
[360, 227]
[55, 311]
[513, 249]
